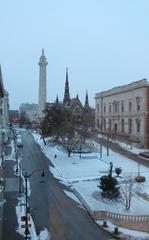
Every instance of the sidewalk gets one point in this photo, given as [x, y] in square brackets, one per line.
[9, 199]
[118, 149]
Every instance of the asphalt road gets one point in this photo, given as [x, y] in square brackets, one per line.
[50, 207]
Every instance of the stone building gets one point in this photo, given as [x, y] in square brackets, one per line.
[4, 114]
[124, 111]
[28, 113]
[79, 112]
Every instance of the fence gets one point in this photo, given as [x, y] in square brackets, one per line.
[135, 222]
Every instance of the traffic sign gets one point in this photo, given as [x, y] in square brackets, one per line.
[25, 226]
[24, 218]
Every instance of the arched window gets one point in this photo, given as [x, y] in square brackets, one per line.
[122, 125]
[129, 126]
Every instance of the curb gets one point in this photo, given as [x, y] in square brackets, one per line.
[93, 214]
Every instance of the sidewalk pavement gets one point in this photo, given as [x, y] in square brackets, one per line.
[117, 148]
[8, 200]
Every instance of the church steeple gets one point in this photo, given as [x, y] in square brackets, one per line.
[66, 99]
[86, 100]
[57, 101]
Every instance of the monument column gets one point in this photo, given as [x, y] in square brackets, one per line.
[42, 84]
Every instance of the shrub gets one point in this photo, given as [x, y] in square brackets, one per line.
[108, 185]
[140, 179]
[118, 171]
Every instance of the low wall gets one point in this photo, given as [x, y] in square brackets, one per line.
[135, 222]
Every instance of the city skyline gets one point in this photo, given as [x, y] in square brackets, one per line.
[104, 45]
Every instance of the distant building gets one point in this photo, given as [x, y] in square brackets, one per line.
[14, 117]
[28, 113]
[124, 110]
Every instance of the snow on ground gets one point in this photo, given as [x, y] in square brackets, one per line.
[92, 194]
[20, 211]
[84, 173]
[11, 156]
[44, 235]
[135, 235]
[72, 196]
[20, 208]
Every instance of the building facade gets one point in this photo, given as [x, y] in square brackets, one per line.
[4, 115]
[28, 112]
[124, 111]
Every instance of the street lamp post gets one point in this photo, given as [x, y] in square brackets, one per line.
[80, 150]
[100, 149]
[26, 176]
[26, 209]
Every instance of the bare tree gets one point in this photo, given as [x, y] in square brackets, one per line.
[130, 188]
[71, 144]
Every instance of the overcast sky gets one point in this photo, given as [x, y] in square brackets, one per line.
[104, 43]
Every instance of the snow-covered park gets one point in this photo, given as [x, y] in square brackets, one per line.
[82, 175]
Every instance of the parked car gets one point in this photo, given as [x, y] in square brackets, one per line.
[19, 142]
[19, 136]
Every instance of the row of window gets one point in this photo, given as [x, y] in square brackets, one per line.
[130, 122]
[116, 106]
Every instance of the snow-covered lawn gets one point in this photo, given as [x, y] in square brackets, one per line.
[83, 174]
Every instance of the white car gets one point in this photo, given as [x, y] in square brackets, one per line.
[19, 142]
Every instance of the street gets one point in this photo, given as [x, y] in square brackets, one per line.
[49, 206]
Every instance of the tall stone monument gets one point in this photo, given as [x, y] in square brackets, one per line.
[42, 84]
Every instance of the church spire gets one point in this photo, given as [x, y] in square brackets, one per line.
[86, 100]
[57, 101]
[66, 99]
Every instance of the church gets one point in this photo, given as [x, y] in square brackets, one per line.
[34, 113]
[73, 105]
[77, 109]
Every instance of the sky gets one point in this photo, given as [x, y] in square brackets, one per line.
[104, 43]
